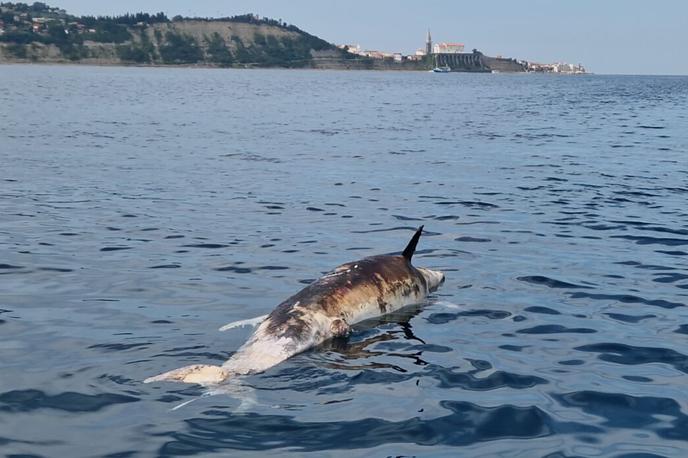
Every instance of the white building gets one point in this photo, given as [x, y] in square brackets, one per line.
[447, 48]
[558, 67]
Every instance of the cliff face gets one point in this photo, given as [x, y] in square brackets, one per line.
[336, 60]
[502, 65]
[224, 43]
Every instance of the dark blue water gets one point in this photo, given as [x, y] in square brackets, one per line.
[141, 209]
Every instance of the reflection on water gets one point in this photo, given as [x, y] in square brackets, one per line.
[144, 208]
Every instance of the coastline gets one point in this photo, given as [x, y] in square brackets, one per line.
[238, 42]
[198, 66]
[48, 35]
[326, 63]
[261, 67]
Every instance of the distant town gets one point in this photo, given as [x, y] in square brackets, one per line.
[42, 33]
[431, 50]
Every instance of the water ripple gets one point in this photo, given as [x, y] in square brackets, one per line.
[29, 400]
[467, 423]
[632, 355]
[663, 416]
[549, 282]
[628, 299]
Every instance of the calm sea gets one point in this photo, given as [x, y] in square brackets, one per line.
[141, 209]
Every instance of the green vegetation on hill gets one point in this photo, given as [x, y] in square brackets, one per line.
[180, 49]
[143, 38]
[217, 50]
[142, 53]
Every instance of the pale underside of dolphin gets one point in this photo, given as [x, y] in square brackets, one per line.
[351, 293]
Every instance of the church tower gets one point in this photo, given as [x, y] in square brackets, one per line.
[428, 44]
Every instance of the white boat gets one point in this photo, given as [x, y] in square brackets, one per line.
[445, 69]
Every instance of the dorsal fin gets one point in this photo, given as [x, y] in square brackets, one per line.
[411, 247]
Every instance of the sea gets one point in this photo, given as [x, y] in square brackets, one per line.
[143, 208]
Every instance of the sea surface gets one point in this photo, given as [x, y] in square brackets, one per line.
[143, 208]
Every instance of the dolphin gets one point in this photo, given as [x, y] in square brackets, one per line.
[327, 308]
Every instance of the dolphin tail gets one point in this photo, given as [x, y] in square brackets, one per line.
[198, 373]
[246, 395]
[241, 323]
[411, 247]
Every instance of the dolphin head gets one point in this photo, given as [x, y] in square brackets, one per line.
[433, 278]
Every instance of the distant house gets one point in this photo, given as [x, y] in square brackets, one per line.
[373, 54]
[353, 49]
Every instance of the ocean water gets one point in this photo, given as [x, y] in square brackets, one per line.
[141, 209]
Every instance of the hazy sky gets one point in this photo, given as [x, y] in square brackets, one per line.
[607, 36]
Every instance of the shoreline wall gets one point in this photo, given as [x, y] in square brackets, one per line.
[478, 62]
[107, 54]
[50, 54]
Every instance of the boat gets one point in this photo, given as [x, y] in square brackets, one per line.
[444, 69]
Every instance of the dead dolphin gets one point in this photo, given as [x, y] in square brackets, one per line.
[326, 308]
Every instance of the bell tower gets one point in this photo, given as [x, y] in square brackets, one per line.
[428, 44]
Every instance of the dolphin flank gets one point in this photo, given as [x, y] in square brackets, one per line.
[326, 308]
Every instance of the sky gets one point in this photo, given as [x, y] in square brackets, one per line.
[606, 36]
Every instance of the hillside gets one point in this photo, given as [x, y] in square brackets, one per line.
[40, 33]
[44, 34]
